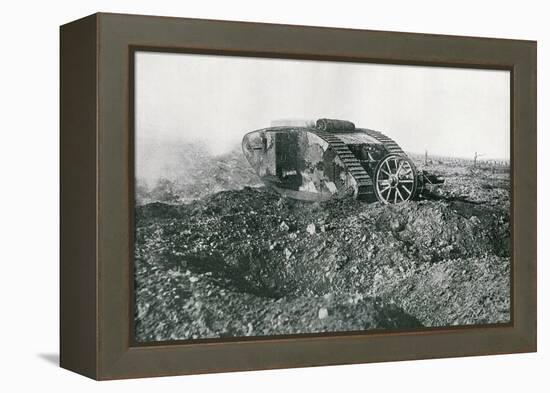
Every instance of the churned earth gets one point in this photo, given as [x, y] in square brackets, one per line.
[249, 262]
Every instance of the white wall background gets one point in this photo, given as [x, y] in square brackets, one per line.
[29, 194]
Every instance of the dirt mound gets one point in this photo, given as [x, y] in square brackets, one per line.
[249, 262]
[188, 305]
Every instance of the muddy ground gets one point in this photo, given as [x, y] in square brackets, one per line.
[248, 262]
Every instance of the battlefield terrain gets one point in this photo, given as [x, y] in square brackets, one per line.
[219, 255]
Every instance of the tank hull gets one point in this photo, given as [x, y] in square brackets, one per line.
[299, 163]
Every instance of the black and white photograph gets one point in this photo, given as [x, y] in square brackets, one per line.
[282, 197]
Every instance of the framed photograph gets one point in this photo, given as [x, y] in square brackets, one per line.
[241, 196]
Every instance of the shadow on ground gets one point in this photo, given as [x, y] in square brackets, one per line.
[52, 358]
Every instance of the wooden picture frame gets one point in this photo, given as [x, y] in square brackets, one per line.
[97, 195]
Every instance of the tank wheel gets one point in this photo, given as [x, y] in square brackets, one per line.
[395, 179]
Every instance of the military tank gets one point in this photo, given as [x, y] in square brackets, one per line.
[332, 158]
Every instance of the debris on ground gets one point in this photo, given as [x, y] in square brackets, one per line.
[250, 262]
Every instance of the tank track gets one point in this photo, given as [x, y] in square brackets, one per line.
[391, 146]
[365, 188]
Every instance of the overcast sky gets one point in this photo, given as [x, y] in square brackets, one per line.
[447, 111]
